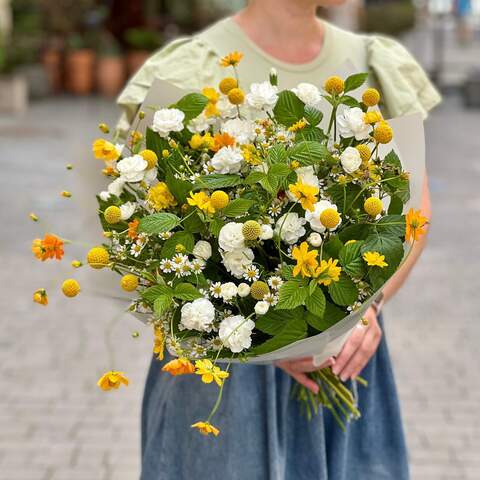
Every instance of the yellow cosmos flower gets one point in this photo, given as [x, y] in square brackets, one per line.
[104, 150]
[305, 194]
[211, 94]
[210, 372]
[112, 380]
[179, 366]
[211, 110]
[159, 197]
[232, 59]
[202, 201]
[158, 343]
[307, 261]
[375, 259]
[201, 141]
[415, 223]
[328, 272]
[206, 428]
[40, 296]
[300, 125]
[250, 154]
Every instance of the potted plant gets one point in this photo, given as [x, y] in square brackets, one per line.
[79, 65]
[13, 86]
[110, 66]
[141, 42]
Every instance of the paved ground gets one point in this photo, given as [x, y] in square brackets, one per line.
[54, 422]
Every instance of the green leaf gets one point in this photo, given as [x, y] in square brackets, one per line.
[291, 295]
[351, 260]
[345, 196]
[332, 315]
[391, 224]
[255, 177]
[155, 142]
[192, 105]
[392, 159]
[162, 304]
[277, 153]
[312, 134]
[349, 101]
[215, 226]
[186, 291]
[179, 188]
[332, 248]
[388, 245]
[344, 292]
[273, 321]
[217, 180]
[184, 238]
[315, 303]
[312, 115]
[312, 286]
[308, 153]
[151, 293]
[158, 223]
[396, 205]
[237, 207]
[398, 186]
[293, 330]
[354, 81]
[269, 184]
[355, 232]
[288, 109]
[280, 170]
[193, 224]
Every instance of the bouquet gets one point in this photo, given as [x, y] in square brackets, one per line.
[246, 223]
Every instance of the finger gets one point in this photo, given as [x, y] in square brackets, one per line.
[306, 381]
[361, 357]
[307, 365]
[350, 347]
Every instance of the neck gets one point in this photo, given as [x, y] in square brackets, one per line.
[288, 30]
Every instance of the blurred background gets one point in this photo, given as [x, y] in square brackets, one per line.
[61, 65]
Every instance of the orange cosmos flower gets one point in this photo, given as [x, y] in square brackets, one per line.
[112, 380]
[179, 366]
[104, 150]
[222, 140]
[206, 428]
[415, 223]
[133, 228]
[231, 60]
[49, 247]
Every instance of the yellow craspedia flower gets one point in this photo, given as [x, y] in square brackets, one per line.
[236, 96]
[40, 296]
[334, 85]
[364, 151]
[104, 150]
[112, 380]
[98, 257]
[206, 428]
[330, 218]
[232, 59]
[370, 97]
[202, 201]
[65, 193]
[129, 282]
[251, 230]
[209, 372]
[328, 272]
[300, 125]
[70, 287]
[76, 263]
[374, 259]
[373, 206]
[159, 197]
[383, 132]
[259, 289]
[150, 157]
[219, 199]
[112, 214]
[226, 84]
[211, 94]
[372, 117]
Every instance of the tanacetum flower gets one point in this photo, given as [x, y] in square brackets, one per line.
[104, 150]
[232, 59]
[374, 259]
[112, 380]
[415, 223]
[159, 197]
[179, 366]
[40, 296]
[206, 428]
[306, 260]
[305, 194]
[49, 247]
[202, 201]
[328, 272]
[334, 85]
[210, 372]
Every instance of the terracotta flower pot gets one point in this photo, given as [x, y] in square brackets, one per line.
[135, 59]
[79, 71]
[52, 63]
[110, 75]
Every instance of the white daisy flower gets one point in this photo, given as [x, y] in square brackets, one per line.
[165, 235]
[271, 299]
[179, 259]
[251, 273]
[197, 265]
[216, 289]
[166, 265]
[275, 282]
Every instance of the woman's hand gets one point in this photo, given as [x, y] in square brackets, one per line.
[359, 348]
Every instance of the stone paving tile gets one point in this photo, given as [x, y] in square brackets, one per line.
[54, 422]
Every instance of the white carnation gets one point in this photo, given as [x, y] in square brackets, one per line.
[350, 159]
[314, 217]
[314, 239]
[150, 176]
[127, 210]
[202, 249]
[351, 124]
[235, 332]
[199, 124]
[266, 232]
[116, 187]
[261, 308]
[132, 169]
[227, 160]
[230, 237]
[226, 108]
[243, 290]
[197, 315]
[168, 120]
[228, 290]
[308, 94]
[235, 262]
[262, 96]
[290, 227]
[104, 195]
[243, 131]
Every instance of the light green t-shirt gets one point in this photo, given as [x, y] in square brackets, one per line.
[191, 63]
